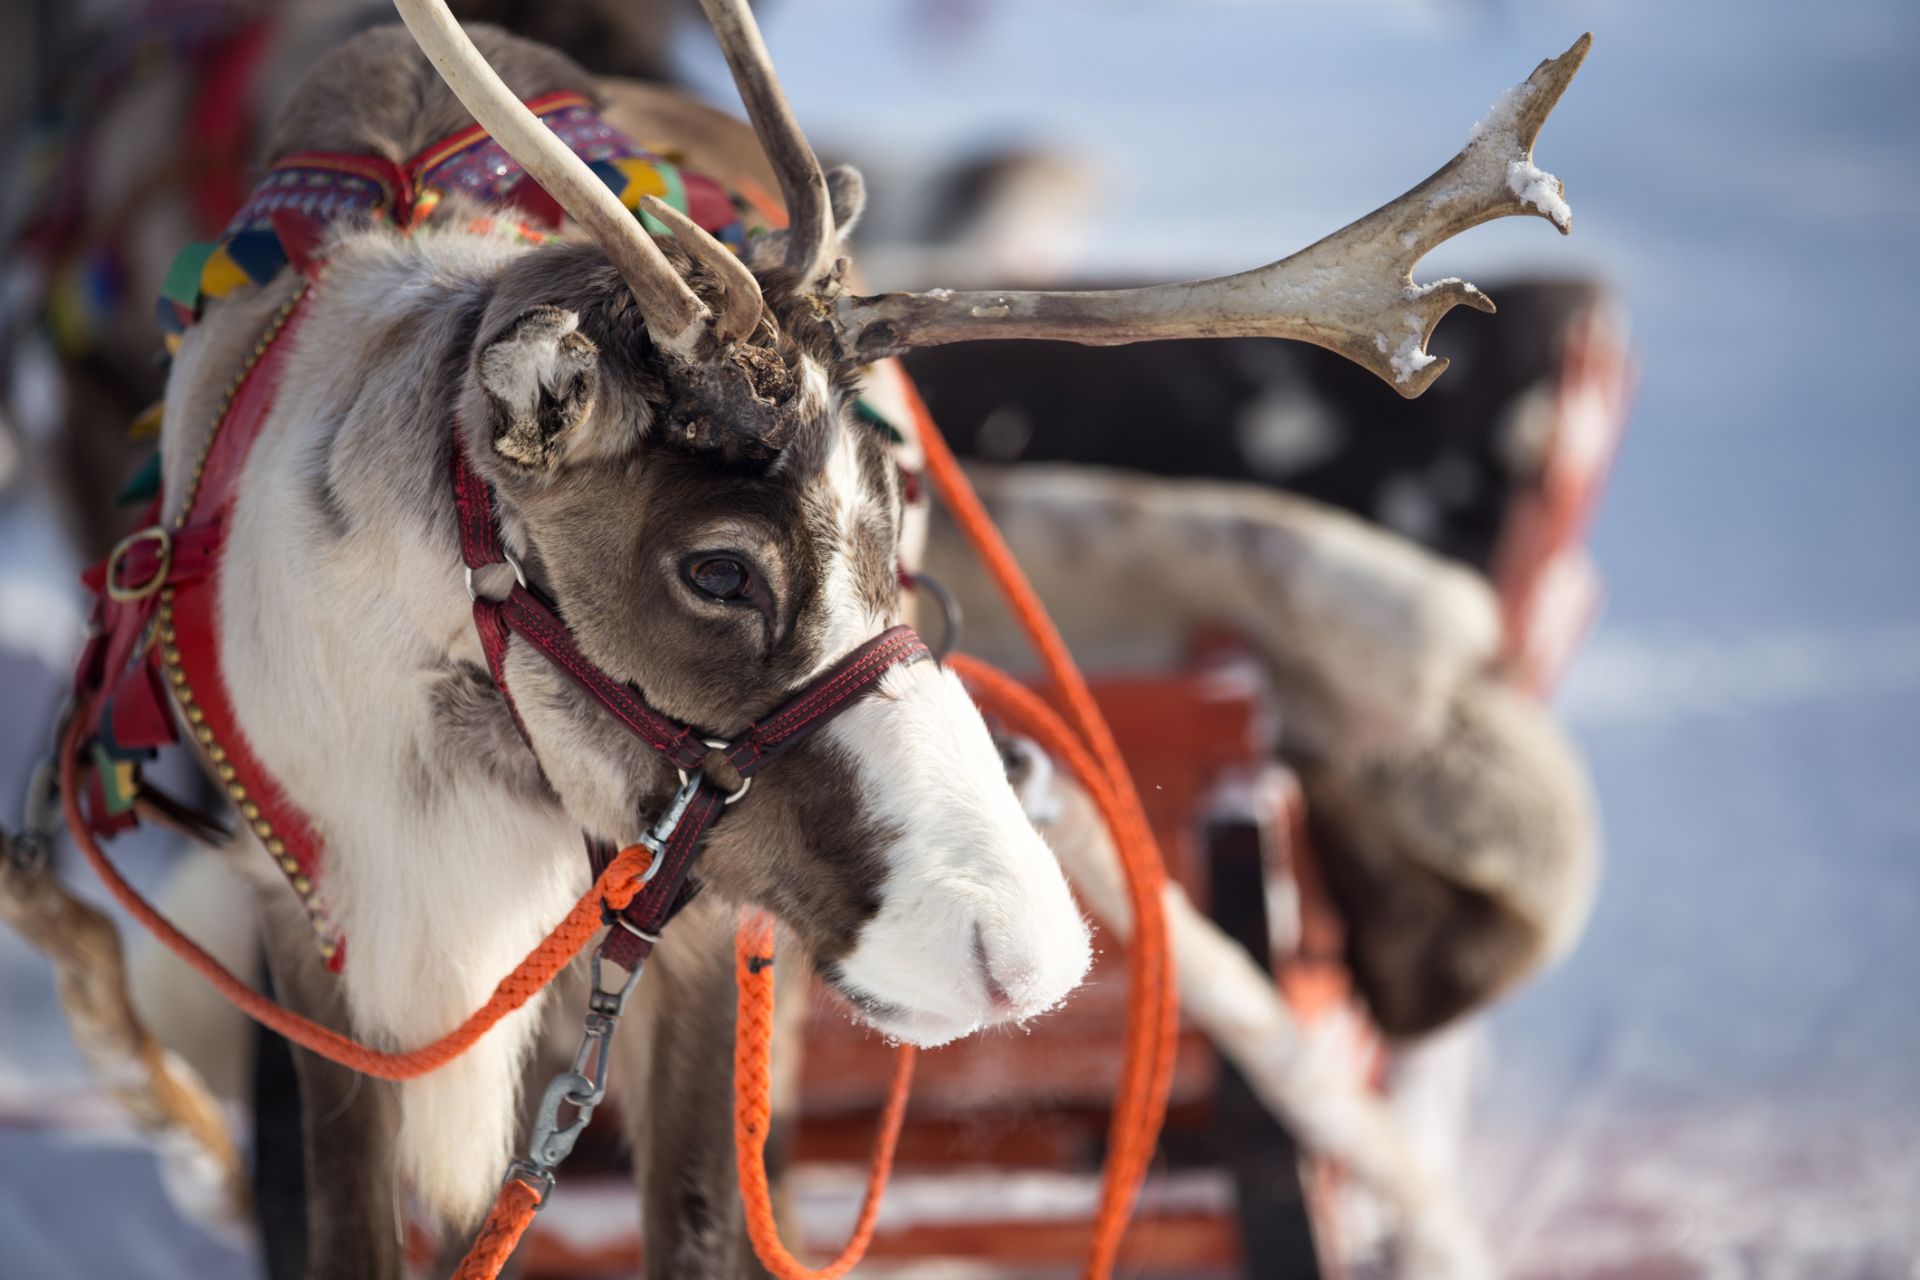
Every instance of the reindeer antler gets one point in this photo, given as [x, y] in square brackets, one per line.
[810, 230]
[740, 308]
[1352, 292]
[676, 318]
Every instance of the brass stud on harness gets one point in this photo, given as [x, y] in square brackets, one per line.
[171, 655]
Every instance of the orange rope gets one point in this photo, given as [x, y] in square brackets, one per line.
[507, 1221]
[1087, 745]
[753, 1114]
[1083, 741]
[617, 885]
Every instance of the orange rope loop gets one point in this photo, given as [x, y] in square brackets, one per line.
[753, 1114]
[507, 1221]
[617, 885]
[1087, 746]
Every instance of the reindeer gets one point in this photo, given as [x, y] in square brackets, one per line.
[676, 482]
[676, 466]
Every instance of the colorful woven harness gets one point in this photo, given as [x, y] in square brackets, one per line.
[307, 194]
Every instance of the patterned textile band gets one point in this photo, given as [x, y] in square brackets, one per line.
[307, 193]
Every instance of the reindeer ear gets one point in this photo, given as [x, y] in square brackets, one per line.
[847, 192]
[846, 195]
[540, 379]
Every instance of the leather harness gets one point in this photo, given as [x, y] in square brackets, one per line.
[154, 639]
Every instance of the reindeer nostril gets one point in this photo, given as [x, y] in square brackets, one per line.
[997, 995]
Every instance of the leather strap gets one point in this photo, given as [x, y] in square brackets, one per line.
[825, 697]
[529, 617]
[168, 638]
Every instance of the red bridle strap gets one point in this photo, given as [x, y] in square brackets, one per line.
[523, 613]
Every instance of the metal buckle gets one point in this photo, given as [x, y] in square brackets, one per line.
[656, 836]
[154, 533]
[520, 574]
[31, 851]
[718, 744]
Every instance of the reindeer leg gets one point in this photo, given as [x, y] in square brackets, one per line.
[347, 1120]
[675, 1065]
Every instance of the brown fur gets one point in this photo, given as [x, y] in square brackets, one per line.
[1461, 866]
[347, 1119]
[684, 1160]
[398, 102]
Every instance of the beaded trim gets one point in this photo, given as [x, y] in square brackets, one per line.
[235, 786]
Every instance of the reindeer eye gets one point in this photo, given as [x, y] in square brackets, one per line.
[720, 578]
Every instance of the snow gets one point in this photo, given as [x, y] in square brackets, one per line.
[1540, 189]
[1409, 355]
[1496, 133]
[1408, 359]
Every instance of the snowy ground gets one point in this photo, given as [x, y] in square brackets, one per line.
[1721, 1082]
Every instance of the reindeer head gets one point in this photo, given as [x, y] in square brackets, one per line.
[669, 430]
[718, 569]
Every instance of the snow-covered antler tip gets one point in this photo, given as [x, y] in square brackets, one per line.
[1352, 292]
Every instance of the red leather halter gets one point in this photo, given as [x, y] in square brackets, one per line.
[676, 837]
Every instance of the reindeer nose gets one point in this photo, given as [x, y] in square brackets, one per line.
[996, 993]
[1027, 966]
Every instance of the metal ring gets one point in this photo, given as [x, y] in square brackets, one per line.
[949, 610]
[520, 574]
[721, 744]
[154, 533]
[651, 939]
